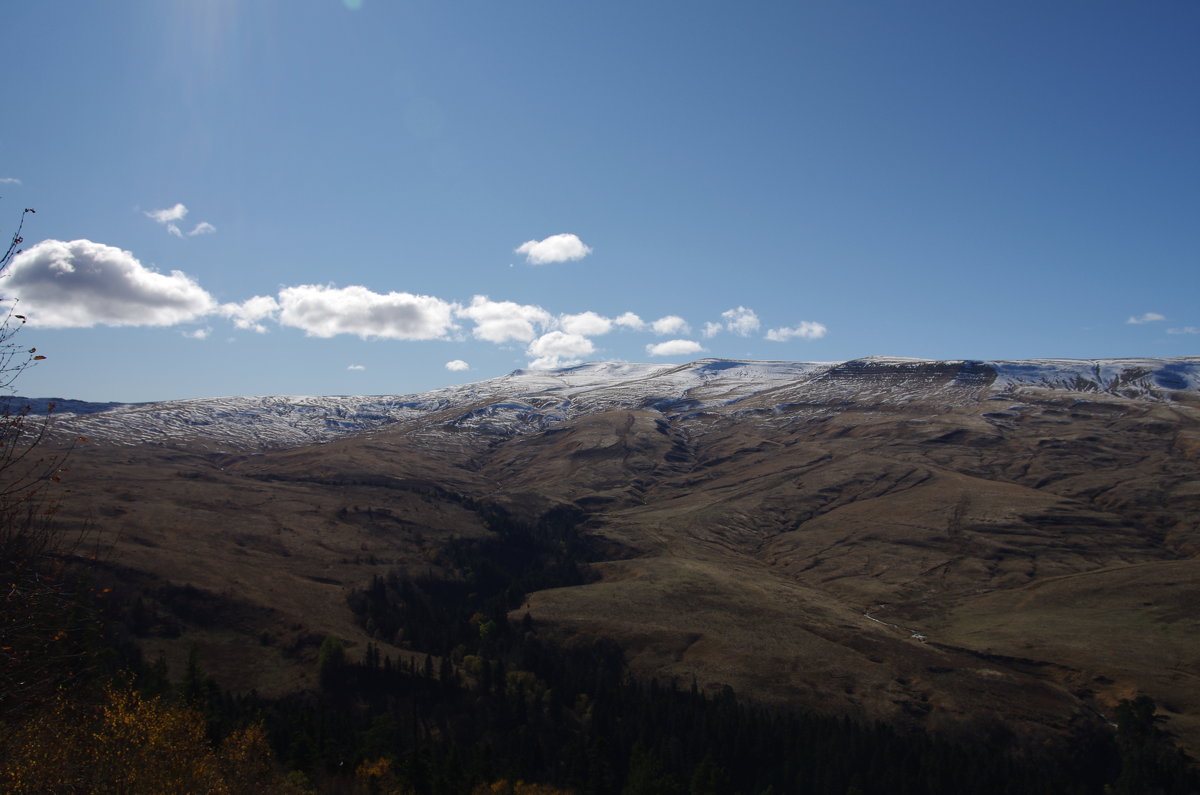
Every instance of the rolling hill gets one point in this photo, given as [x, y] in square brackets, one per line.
[970, 546]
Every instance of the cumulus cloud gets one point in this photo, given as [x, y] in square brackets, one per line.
[741, 321]
[1149, 317]
[558, 349]
[556, 248]
[202, 228]
[198, 334]
[176, 213]
[671, 324]
[9, 181]
[326, 311]
[807, 330]
[502, 321]
[457, 366]
[630, 321]
[674, 348]
[1184, 330]
[357, 367]
[79, 284]
[589, 324]
[250, 313]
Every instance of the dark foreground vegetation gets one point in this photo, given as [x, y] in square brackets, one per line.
[479, 703]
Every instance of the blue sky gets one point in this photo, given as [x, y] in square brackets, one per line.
[330, 197]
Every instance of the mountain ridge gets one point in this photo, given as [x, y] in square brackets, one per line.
[259, 422]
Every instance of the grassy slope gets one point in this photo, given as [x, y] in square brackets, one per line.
[1042, 543]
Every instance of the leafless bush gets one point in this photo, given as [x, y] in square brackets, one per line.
[39, 615]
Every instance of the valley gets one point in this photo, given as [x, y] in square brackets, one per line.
[968, 547]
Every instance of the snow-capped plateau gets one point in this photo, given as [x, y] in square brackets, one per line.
[526, 401]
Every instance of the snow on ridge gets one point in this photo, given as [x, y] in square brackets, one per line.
[521, 402]
[1132, 377]
[581, 375]
[903, 360]
[528, 401]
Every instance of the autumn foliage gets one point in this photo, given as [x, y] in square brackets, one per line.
[132, 744]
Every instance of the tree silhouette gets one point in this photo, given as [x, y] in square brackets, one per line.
[37, 625]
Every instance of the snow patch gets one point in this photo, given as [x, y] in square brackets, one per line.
[530, 401]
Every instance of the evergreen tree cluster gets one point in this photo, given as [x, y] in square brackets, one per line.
[494, 699]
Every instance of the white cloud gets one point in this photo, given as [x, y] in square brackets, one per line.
[250, 313]
[1184, 330]
[1149, 317]
[82, 284]
[198, 334]
[558, 349]
[741, 321]
[671, 324]
[674, 348]
[630, 321]
[175, 213]
[502, 321]
[9, 181]
[556, 248]
[170, 215]
[326, 311]
[357, 367]
[808, 330]
[457, 366]
[589, 324]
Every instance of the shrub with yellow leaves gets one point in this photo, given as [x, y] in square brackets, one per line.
[131, 744]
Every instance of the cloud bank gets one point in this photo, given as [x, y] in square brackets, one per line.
[556, 248]
[80, 284]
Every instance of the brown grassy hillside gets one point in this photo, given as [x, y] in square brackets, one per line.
[917, 549]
